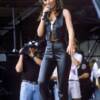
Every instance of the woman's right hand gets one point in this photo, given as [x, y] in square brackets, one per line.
[41, 27]
[46, 9]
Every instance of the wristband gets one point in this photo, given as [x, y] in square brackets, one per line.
[43, 17]
[20, 53]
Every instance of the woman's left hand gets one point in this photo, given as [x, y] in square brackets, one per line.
[71, 49]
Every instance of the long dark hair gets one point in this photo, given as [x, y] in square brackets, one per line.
[59, 5]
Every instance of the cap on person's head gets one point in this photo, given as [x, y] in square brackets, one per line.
[33, 44]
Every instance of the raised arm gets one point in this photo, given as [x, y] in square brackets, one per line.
[37, 60]
[19, 65]
[41, 27]
[35, 57]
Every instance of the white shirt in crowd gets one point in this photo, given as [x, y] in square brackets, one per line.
[74, 72]
[95, 73]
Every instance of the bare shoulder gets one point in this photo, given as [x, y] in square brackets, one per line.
[66, 13]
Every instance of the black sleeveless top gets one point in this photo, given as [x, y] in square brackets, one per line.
[59, 29]
[30, 69]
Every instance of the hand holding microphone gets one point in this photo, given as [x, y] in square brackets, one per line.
[46, 12]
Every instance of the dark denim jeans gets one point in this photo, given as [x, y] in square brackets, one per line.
[55, 55]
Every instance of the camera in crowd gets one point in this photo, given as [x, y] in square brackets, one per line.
[30, 44]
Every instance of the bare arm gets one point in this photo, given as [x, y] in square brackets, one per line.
[41, 28]
[37, 60]
[19, 65]
[84, 76]
[71, 34]
[98, 83]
